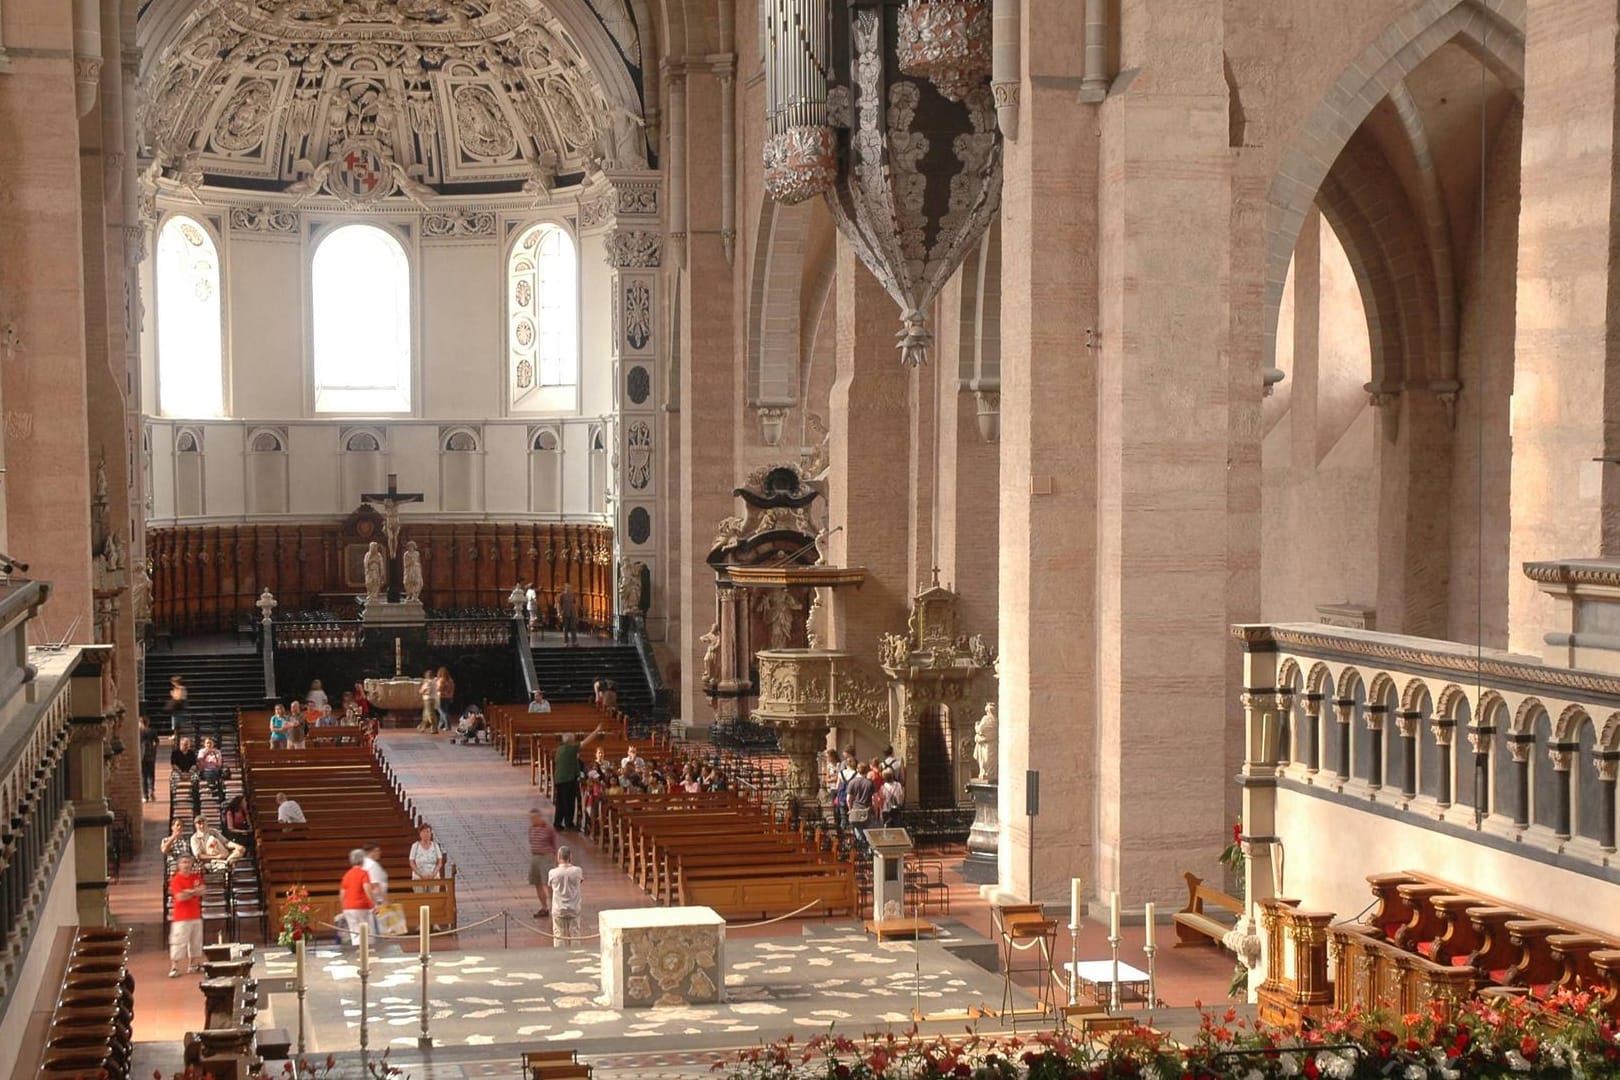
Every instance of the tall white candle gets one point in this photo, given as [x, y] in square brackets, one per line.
[365, 948]
[425, 921]
[299, 952]
[1075, 886]
[1113, 914]
[1148, 915]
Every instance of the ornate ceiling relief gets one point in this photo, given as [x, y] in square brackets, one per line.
[363, 98]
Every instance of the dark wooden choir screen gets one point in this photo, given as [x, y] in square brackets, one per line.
[206, 578]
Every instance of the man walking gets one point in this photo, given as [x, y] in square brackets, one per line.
[355, 891]
[565, 778]
[565, 880]
[185, 918]
[542, 850]
[568, 608]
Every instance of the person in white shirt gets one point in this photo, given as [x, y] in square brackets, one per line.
[316, 696]
[566, 898]
[379, 877]
[531, 604]
[427, 857]
[631, 760]
[288, 812]
[539, 704]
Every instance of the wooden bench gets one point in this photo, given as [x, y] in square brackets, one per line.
[554, 1065]
[1195, 924]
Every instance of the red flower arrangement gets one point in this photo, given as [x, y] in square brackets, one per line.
[296, 915]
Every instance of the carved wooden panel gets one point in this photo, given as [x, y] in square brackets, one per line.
[205, 578]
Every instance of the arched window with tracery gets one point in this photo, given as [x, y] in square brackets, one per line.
[190, 332]
[360, 281]
[543, 315]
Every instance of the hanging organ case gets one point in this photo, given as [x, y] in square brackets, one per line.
[883, 108]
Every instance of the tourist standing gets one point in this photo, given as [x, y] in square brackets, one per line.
[565, 778]
[568, 608]
[531, 606]
[566, 898]
[185, 918]
[316, 698]
[858, 792]
[355, 892]
[149, 752]
[446, 689]
[278, 728]
[379, 877]
[297, 727]
[894, 799]
[542, 850]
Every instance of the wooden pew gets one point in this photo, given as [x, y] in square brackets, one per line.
[1195, 925]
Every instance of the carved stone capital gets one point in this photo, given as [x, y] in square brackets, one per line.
[1520, 750]
[1562, 757]
[989, 416]
[634, 249]
[86, 81]
[1407, 724]
[771, 420]
[1479, 741]
[1443, 732]
[1374, 717]
[1344, 711]
[1608, 767]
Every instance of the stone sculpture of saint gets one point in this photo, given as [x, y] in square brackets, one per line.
[984, 744]
[376, 565]
[779, 608]
[412, 571]
[711, 656]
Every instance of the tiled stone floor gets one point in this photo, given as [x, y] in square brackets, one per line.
[496, 987]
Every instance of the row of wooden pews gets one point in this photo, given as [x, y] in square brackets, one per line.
[517, 733]
[91, 1028]
[337, 786]
[724, 850]
[1425, 940]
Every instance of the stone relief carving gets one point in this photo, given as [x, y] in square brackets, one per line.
[455, 92]
[264, 219]
[637, 198]
[727, 533]
[779, 608]
[637, 322]
[635, 248]
[595, 211]
[638, 439]
[459, 221]
[630, 591]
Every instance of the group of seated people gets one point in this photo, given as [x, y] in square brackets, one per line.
[197, 766]
[290, 724]
[212, 849]
[632, 775]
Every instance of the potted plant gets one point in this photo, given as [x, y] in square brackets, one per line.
[296, 916]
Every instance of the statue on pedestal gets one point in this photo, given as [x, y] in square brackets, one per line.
[711, 656]
[266, 605]
[376, 565]
[412, 571]
[984, 744]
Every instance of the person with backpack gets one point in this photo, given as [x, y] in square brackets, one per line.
[893, 796]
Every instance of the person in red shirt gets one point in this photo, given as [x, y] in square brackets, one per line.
[355, 889]
[542, 857]
[185, 919]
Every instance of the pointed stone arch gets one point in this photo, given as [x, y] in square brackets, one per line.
[1493, 30]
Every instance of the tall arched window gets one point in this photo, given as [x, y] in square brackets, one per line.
[360, 280]
[543, 302]
[190, 338]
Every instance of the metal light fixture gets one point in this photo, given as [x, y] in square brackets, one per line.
[884, 108]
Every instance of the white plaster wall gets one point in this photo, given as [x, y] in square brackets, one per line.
[315, 463]
[461, 352]
[595, 327]
[264, 327]
[1331, 848]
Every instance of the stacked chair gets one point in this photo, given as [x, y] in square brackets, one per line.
[91, 1026]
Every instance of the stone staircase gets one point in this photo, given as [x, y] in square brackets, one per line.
[218, 683]
[566, 674]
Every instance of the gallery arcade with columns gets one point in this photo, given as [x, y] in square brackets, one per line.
[1286, 316]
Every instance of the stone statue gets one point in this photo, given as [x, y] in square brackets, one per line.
[101, 477]
[728, 533]
[619, 141]
[778, 607]
[390, 516]
[981, 652]
[376, 565]
[412, 571]
[812, 621]
[266, 605]
[984, 744]
[141, 595]
[630, 585]
[711, 656]
[111, 552]
[894, 650]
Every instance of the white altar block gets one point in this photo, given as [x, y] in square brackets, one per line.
[663, 956]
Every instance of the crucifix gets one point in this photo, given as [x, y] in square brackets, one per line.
[388, 501]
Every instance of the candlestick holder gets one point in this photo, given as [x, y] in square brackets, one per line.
[1153, 986]
[1113, 984]
[303, 989]
[365, 977]
[424, 1041]
[1074, 964]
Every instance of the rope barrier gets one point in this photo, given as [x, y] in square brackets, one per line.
[779, 918]
[417, 936]
[545, 933]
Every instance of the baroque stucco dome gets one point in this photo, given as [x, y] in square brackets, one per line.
[363, 98]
